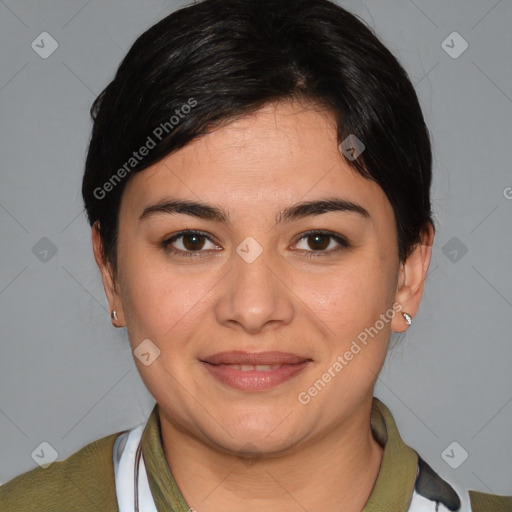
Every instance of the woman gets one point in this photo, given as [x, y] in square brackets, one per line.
[257, 183]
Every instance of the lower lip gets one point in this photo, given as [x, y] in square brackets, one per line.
[254, 380]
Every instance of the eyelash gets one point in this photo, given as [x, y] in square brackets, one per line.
[166, 244]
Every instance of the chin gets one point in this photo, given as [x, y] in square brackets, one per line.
[258, 434]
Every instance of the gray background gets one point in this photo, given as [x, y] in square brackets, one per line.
[67, 376]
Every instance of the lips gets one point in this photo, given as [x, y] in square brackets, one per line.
[255, 371]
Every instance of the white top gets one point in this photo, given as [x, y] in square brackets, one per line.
[125, 447]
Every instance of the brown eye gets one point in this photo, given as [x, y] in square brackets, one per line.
[189, 243]
[193, 241]
[322, 243]
[318, 242]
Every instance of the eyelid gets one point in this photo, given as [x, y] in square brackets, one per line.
[190, 232]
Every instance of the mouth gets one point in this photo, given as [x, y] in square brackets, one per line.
[251, 367]
[255, 371]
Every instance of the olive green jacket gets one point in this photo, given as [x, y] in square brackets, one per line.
[85, 480]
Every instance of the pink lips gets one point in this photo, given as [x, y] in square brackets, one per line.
[254, 371]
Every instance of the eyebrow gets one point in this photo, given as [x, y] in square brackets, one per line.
[206, 211]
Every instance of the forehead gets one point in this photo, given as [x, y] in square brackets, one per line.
[279, 155]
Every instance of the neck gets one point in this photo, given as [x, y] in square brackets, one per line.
[333, 473]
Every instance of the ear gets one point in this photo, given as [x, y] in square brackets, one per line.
[411, 279]
[107, 276]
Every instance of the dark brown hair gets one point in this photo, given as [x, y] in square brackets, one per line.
[216, 60]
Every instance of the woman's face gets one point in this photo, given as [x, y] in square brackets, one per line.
[255, 282]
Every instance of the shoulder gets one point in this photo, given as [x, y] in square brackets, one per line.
[483, 502]
[83, 481]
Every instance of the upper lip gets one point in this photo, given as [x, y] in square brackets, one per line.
[254, 358]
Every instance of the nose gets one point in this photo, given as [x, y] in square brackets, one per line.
[255, 296]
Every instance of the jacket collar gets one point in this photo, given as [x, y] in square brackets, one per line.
[392, 491]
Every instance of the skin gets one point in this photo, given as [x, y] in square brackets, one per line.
[312, 456]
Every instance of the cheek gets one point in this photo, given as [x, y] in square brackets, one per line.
[159, 307]
[151, 299]
[352, 296]
[161, 304]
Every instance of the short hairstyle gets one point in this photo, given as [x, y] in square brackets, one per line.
[213, 61]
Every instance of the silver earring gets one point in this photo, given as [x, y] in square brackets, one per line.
[114, 314]
[408, 318]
